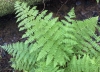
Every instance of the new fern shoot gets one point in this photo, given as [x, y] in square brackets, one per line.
[54, 46]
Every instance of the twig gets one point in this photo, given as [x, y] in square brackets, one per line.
[44, 5]
[61, 7]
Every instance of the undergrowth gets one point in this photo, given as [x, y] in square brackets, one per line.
[54, 46]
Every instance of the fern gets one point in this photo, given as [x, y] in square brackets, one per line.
[51, 44]
[83, 64]
[85, 35]
[44, 29]
[22, 59]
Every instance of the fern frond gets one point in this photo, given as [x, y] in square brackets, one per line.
[84, 33]
[48, 34]
[82, 64]
[42, 67]
[22, 60]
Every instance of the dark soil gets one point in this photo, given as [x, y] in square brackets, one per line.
[9, 31]
[8, 34]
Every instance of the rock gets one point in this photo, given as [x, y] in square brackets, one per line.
[7, 6]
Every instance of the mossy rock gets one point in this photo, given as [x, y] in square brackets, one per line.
[7, 6]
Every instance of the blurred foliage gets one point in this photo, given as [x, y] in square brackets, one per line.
[7, 6]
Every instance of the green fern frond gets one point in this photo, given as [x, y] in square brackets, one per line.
[22, 59]
[82, 64]
[48, 34]
[42, 67]
[84, 33]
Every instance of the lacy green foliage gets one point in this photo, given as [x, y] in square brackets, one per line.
[42, 28]
[83, 64]
[22, 59]
[84, 36]
[51, 44]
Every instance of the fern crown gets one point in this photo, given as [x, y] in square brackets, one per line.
[54, 46]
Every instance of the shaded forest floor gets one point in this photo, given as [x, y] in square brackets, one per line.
[9, 31]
